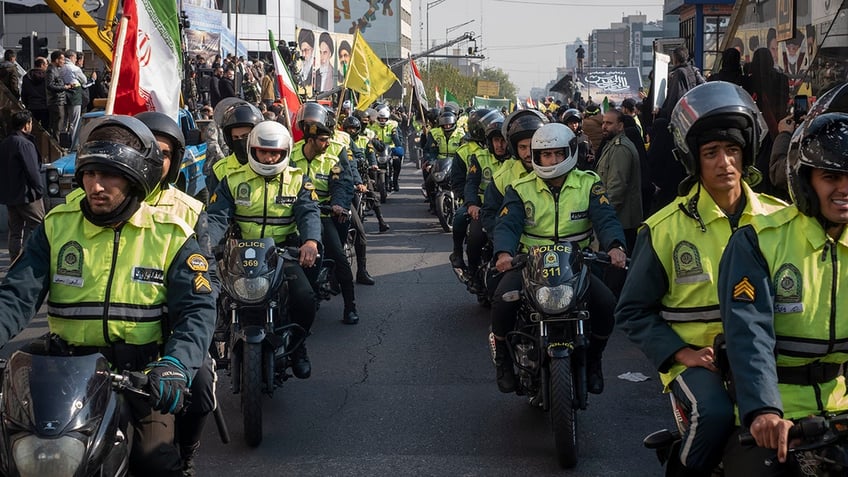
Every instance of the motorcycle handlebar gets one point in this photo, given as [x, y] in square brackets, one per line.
[805, 429]
[133, 382]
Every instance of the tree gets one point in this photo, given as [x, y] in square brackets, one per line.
[443, 75]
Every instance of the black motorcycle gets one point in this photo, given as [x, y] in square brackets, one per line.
[549, 343]
[437, 188]
[384, 173]
[475, 280]
[63, 415]
[255, 340]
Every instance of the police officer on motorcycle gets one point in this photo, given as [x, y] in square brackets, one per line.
[124, 289]
[781, 288]
[236, 123]
[271, 198]
[556, 204]
[443, 141]
[518, 129]
[333, 183]
[386, 131]
[363, 151]
[669, 305]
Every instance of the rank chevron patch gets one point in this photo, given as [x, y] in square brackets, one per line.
[744, 291]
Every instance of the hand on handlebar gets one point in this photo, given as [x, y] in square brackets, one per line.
[474, 212]
[772, 432]
[308, 253]
[504, 262]
[618, 258]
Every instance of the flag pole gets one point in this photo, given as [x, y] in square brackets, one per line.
[116, 65]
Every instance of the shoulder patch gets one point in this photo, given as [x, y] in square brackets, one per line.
[308, 186]
[472, 169]
[599, 189]
[197, 263]
[744, 291]
[504, 211]
[337, 169]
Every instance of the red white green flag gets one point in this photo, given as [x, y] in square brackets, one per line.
[285, 83]
[150, 73]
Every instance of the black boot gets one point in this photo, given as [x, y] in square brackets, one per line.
[301, 367]
[594, 368]
[188, 453]
[384, 227]
[362, 275]
[350, 316]
[503, 367]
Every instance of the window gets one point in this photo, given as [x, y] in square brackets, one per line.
[253, 7]
[314, 14]
[714, 29]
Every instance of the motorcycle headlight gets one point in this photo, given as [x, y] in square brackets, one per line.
[35, 457]
[251, 290]
[555, 300]
[439, 176]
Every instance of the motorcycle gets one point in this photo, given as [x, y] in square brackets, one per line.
[384, 173]
[475, 280]
[822, 451]
[549, 342]
[63, 415]
[437, 188]
[256, 341]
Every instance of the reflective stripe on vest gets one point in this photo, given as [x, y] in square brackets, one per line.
[691, 315]
[319, 169]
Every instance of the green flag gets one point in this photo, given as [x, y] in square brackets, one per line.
[605, 105]
[450, 97]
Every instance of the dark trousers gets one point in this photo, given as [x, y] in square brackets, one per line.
[475, 242]
[57, 118]
[460, 228]
[23, 218]
[42, 116]
[331, 233]
[396, 162]
[601, 303]
[301, 299]
[191, 422]
[361, 242]
[711, 418]
[153, 450]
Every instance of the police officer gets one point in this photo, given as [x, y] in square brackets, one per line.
[363, 151]
[443, 141]
[574, 119]
[116, 253]
[271, 198]
[473, 143]
[236, 123]
[386, 130]
[334, 186]
[481, 169]
[556, 204]
[669, 304]
[518, 128]
[781, 288]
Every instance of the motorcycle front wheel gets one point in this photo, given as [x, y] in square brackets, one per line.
[445, 211]
[381, 185]
[563, 412]
[251, 393]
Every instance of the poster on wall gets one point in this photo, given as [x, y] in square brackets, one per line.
[204, 43]
[326, 57]
[785, 19]
[616, 84]
[377, 20]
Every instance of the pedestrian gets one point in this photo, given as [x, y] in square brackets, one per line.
[34, 92]
[682, 77]
[56, 92]
[9, 75]
[21, 185]
[227, 84]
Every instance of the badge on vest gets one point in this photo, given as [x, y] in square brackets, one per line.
[529, 213]
[687, 264]
[744, 291]
[285, 199]
[487, 174]
[243, 194]
[788, 289]
[69, 265]
[148, 275]
[583, 214]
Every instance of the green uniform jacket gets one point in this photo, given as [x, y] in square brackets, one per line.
[670, 299]
[783, 291]
[153, 259]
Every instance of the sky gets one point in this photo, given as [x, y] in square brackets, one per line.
[525, 39]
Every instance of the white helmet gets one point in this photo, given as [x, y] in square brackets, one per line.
[383, 113]
[269, 135]
[554, 136]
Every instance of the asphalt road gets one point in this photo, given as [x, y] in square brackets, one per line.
[411, 389]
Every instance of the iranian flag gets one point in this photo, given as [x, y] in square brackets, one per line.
[418, 84]
[285, 84]
[150, 70]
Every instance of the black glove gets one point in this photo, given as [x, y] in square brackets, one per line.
[168, 382]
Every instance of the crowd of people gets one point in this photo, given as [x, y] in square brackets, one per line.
[710, 253]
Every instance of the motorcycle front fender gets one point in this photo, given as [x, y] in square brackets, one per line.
[560, 350]
[251, 334]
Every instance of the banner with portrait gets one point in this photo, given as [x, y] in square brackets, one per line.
[326, 58]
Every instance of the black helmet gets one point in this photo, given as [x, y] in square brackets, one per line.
[225, 105]
[162, 124]
[520, 125]
[240, 115]
[447, 121]
[452, 107]
[835, 100]
[818, 144]
[432, 116]
[141, 167]
[569, 115]
[476, 129]
[331, 117]
[312, 120]
[492, 125]
[352, 123]
[713, 111]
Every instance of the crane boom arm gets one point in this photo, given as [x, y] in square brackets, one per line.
[98, 37]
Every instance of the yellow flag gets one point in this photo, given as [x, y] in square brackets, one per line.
[367, 75]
